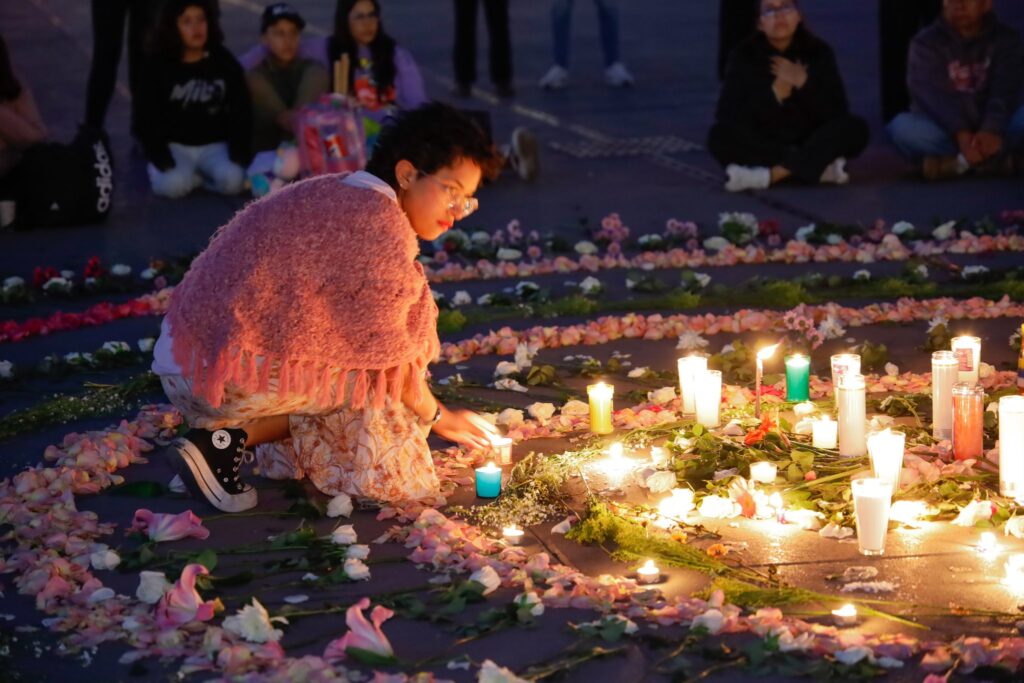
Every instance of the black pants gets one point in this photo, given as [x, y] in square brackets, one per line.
[898, 22]
[737, 19]
[500, 48]
[108, 22]
[846, 136]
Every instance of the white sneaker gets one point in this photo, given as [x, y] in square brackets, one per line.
[618, 76]
[835, 173]
[747, 178]
[555, 79]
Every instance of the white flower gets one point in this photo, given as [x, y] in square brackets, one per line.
[344, 535]
[944, 231]
[803, 233]
[146, 344]
[296, 599]
[862, 275]
[487, 577]
[508, 384]
[748, 220]
[340, 506]
[630, 283]
[922, 271]
[524, 356]
[590, 285]
[101, 594]
[1014, 527]
[712, 620]
[973, 271]
[852, 655]
[526, 287]
[703, 279]
[492, 673]
[506, 254]
[462, 298]
[574, 408]
[356, 569]
[116, 347]
[661, 482]
[253, 623]
[512, 417]
[902, 228]
[585, 248]
[809, 520]
[892, 370]
[831, 328]
[148, 273]
[480, 238]
[802, 643]
[13, 282]
[357, 552]
[152, 586]
[936, 321]
[541, 412]
[973, 512]
[438, 296]
[833, 530]
[662, 395]
[716, 243]
[120, 270]
[6, 369]
[58, 284]
[104, 558]
[505, 368]
[563, 526]
[718, 507]
[638, 372]
[691, 341]
[532, 601]
[73, 358]
[833, 239]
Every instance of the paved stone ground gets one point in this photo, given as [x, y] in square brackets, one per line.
[670, 48]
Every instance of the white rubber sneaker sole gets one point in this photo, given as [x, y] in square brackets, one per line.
[202, 483]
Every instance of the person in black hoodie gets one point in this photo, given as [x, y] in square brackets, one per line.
[196, 115]
[783, 110]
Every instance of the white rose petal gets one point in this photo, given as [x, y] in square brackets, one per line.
[712, 620]
[833, 530]
[104, 558]
[691, 341]
[488, 578]
[101, 594]
[509, 384]
[340, 506]
[575, 408]
[152, 586]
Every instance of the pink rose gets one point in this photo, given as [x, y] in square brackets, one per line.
[362, 634]
[183, 604]
[164, 527]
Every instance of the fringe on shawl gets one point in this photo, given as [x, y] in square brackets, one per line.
[328, 386]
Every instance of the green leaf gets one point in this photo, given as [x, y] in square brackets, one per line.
[803, 458]
[794, 473]
[239, 579]
[139, 489]
[369, 657]
[207, 558]
[698, 429]
[613, 629]
[146, 554]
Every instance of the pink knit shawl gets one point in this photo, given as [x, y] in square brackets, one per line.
[316, 278]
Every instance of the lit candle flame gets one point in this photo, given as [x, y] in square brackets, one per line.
[767, 352]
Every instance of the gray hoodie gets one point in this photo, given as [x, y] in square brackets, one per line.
[966, 84]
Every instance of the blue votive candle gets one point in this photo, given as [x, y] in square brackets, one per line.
[488, 481]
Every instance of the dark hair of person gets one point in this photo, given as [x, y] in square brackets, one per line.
[382, 49]
[432, 137]
[166, 40]
[10, 87]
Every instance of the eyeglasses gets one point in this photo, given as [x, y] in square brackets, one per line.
[771, 12]
[365, 16]
[459, 205]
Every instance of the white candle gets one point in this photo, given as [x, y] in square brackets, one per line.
[690, 368]
[844, 364]
[1011, 446]
[886, 451]
[512, 534]
[648, 573]
[824, 432]
[871, 501]
[501, 447]
[708, 397]
[804, 409]
[945, 373]
[968, 353]
[852, 402]
[845, 615]
[763, 472]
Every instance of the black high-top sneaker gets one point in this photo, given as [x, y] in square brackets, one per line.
[209, 463]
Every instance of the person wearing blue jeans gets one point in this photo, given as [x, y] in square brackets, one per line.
[964, 74]
[615, 73]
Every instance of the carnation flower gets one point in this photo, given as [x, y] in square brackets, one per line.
[691, 341]
[253, 624]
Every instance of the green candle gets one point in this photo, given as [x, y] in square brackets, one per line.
[798, 377]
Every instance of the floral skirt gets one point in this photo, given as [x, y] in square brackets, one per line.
[379, 453]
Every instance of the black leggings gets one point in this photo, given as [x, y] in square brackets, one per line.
[846, 136]
[500, 49]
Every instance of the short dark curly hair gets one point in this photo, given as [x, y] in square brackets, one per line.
[431, 137]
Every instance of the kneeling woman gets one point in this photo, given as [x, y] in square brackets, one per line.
[305, 328]
[783, 110]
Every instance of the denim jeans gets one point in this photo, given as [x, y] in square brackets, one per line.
[916, 136]
[608, 21]
[207, 165]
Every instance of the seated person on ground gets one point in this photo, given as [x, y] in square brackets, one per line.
[196, 117]
[284, 81]
[964, 74]
[783, 110]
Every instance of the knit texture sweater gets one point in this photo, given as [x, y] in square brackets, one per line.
[316, 278]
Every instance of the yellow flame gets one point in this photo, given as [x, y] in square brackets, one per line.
[767, 352]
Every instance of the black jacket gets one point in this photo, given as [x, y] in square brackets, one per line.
[195, 104]
[747, 99]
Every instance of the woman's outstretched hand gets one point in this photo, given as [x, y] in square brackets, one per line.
[466, 428]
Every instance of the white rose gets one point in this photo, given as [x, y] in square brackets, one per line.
[13, 282]
[484, 300]
[57, 283]
[116, 347]
[357, 552]
[902, 228]
[344, 535]
[661, 482]
[146, 344]
[524, 356]
[833, 239]
[892, 370]
[512, 417]
[801, 643]
[253, 624]
[585, 248]
[462, 298]
[803, 233]
[6, 369]
[590, 285]
[541, 412]
[717, 507]
[505, 368]
[356, 569]
[973, 512]
[862, 275]
[120, 270]
[148, 274]
[638, 372]
[712, 620]
[691, 341]
[152, 586]
[944, 231]
[532, 601]
[922, 270]
[716, 243]
[506, 254]
[480, 238]
[104, 558]
[985, 370]
[703, 279]
[575, 408]
[340, 506]
[488, 578]
[662, 395]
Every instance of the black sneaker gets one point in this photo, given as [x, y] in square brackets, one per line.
[208, 463]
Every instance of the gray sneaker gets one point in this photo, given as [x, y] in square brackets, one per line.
[524, 154]
[209, 464]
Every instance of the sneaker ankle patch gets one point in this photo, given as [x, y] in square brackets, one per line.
[221, 439]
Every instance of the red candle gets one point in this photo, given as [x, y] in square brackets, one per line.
[968, 420]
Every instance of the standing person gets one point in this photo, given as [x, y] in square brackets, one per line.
[196, 117]
[499, 51]
[307, 325]
[21, 127]
[964, 75]
[737, 20]
[108, 23]
[284, 81]
[615, 72]
[898, 22]
[783, 110]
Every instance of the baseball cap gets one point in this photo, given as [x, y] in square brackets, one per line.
[278, 11]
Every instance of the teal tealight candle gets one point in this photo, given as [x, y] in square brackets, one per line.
[798, 377]
[488, 481]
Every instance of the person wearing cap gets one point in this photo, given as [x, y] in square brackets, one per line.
[283, 81]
